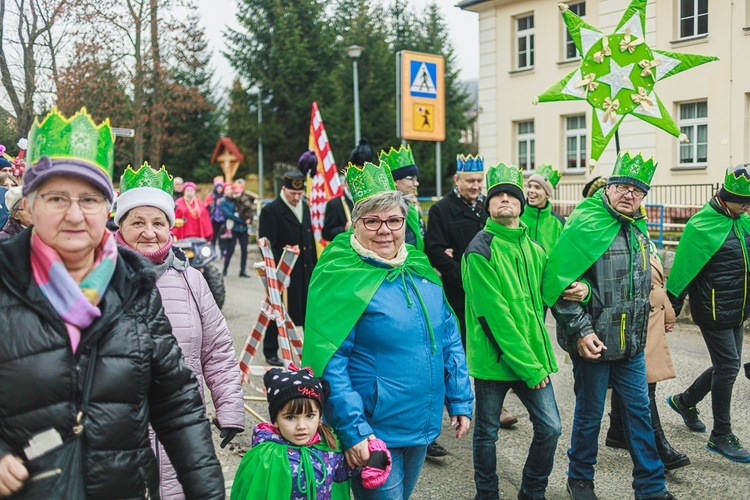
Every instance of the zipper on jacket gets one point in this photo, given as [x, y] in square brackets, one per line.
[713, 303]
[622, 331]
[533, 303]
[743, 247]
[536, 232]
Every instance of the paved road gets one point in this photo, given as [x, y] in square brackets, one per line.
[709, 477]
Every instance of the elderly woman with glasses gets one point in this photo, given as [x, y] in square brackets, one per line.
[380, 331]
[87, 357]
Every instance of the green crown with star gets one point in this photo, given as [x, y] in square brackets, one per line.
[397, 158]
[146, 176]
[635, 169]
[549, 173]
[737, 180]
[504, 174]
[368, 180]
[77, 137]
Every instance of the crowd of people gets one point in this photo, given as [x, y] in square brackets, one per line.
[111, 336]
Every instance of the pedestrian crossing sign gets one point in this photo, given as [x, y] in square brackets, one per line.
[421, 96]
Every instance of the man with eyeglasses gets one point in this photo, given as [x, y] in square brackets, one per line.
[605, 244]
[711, 264]
[507, 344]
[404, 171]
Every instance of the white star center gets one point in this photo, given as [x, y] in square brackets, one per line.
[617, 78]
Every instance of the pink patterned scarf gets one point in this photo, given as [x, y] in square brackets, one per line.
[76, 304]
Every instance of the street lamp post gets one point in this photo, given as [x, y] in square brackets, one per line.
[354, 51]
[260, 145]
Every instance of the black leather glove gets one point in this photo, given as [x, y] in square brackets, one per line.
[226, 435]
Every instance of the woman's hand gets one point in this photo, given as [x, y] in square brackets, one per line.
[359, 454]
[576, 292]
[12, 475]
[668, 327]
[542, 384]
[461, 423]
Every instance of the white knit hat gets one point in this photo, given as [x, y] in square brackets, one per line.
[145, 197]
[13, 196]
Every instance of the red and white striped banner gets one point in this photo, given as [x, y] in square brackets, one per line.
[325, 183]
[275, 280]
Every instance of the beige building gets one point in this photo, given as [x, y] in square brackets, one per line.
[525, 49]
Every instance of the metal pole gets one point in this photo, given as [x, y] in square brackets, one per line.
[260, 147]
[438, 175]
[356, 102]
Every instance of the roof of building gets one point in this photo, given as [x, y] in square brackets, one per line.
[228, 144]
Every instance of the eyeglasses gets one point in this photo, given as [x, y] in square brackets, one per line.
[412, 178]
[59, 203]
[375, 223]
[623, 189]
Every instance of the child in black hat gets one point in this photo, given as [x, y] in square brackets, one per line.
[296, 455]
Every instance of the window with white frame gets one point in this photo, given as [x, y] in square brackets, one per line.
[575, 142]
[525, 42]
[693, 17]
[694, 124]
[525, 145]
[571, 52]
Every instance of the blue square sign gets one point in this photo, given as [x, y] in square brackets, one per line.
[423, 79]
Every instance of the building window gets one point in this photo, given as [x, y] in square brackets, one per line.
[575, 142]
[693, 18]
[525, 42]
[694, 124]
[525, 145]
[571, 52]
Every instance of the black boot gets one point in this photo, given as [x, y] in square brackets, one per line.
[671, 458]
[615, 434]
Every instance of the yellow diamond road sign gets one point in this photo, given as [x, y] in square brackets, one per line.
[421, 96]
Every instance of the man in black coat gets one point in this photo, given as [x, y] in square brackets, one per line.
[286, 221]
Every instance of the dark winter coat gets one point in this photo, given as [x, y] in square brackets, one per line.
[452, 224]
[618, 306]
[10, 229]
[720, 293]
[279, 224]
[139, 376]
[335, 220]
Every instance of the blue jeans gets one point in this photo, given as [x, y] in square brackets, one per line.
[406, 465]
[489, 396]
[628, 378]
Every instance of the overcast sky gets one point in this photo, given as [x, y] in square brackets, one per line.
[217, 14]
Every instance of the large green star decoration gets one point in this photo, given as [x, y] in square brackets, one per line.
[617, 75]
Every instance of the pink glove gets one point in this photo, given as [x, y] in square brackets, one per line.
[378, 467]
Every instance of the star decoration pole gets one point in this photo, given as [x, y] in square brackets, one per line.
[617, 75]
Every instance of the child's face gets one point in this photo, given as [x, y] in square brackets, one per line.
[298, 428]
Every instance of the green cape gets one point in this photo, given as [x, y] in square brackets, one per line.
[342, 286]
[587, 234]
[704, 234]
[413, 219]
[265, 473]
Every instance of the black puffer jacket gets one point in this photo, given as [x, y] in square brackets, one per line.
[139, 376]
[720, 293]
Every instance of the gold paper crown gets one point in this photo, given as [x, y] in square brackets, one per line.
[77, 137]
[368, 180]
[146, 176]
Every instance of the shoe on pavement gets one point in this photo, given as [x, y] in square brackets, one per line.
[524, 496]
[689, 414]
[664, 496]
[615, 440]
[507, 419]
[729, 446]
[434, 450]
[274, 361]
[245, 275]
[581, 489]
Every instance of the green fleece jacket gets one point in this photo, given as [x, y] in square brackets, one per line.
[544, 225]
[505, 334]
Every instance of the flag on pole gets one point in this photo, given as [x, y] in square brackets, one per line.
[325, 184]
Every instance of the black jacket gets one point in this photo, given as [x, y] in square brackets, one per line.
[720, 292]
[335, 221]
[452, 224]
[281, 227]
[140, 376]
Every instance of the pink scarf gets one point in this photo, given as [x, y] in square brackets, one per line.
[156, 257]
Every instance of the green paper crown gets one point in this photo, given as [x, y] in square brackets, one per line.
[549, 173]
[146, 176]
[397, 158]
[504, 174]
[368, 180]
[634, 168]
[737, 181]
[76, 138]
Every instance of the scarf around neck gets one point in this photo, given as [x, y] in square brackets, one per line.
[296, 210]
[77, 304]
[156, 257]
